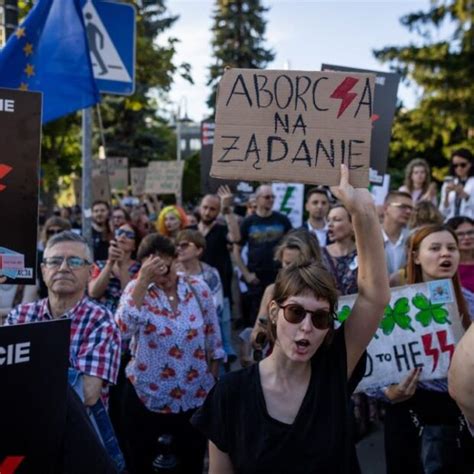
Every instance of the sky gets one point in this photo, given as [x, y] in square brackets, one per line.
[303, 34]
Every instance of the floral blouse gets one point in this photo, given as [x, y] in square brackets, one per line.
[169, 368]
[344, 271]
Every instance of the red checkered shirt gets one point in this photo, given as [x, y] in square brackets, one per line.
[95, 337]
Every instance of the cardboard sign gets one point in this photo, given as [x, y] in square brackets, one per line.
[293, 126]
[164, 177]
[289, 201]
[116, 169]
[138, 177]
[100, 189]
[420, 327]
[34, 359]
[20, 139]
[386, 87]
[379, 191]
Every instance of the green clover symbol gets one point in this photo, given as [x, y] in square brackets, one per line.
[429, 312]
[398, 316]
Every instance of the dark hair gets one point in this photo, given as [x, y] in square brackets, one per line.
[193, 236]
[125, 212]
[54, 221]
[392, 195]
[100, 201]
[455, 222]
[465, 154]
[311, 277]
[341, 206]
[156, 243]
[318, 190]
[415, 273]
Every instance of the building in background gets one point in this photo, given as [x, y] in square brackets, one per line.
[8, 19]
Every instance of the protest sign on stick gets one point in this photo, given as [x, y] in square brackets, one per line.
[100, 189]
[164, 177]
[293, 126]
[137, 178]
[20, 138]
[34, 359]
[420, 327]
[289, 199]
[115, 169]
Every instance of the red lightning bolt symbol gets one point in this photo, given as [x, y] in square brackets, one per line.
[10, 464]
[427, 340]
[445, 347]
[4, 170]
[342, 91]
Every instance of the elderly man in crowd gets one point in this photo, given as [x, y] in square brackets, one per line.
[95, 338]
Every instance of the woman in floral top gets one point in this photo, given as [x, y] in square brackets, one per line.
[176, 348]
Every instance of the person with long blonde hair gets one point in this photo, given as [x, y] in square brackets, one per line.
[418, 181]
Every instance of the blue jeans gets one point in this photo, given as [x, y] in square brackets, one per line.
[100, 421]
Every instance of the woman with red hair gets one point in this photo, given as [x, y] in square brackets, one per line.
[422, 420]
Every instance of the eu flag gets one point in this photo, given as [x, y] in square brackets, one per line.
[49, 53]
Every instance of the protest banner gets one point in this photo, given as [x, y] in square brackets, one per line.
[420, 327]
[164, 177]
[379, 191]
[34, 360]
[115, 169]
[293, 126]
[386, 87]
[289, 201]
[137, 178]
[100, 189]
[20, 139]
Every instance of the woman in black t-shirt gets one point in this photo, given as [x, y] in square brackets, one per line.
[289, 413]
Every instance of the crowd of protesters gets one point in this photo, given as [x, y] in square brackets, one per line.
[154, 299]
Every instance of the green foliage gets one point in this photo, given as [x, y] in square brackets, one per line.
[396, 316]
[238, 37]
[443, 68]
[429, 312]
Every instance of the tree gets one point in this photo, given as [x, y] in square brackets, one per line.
[238, 38]
[443, 68]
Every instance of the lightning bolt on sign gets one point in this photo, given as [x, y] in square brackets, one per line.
[4, 170]
[342, 91]
[10, 464]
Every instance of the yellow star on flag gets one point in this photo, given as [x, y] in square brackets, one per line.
[29, 70]
[28, 49]
[23, 86]
[20, 32]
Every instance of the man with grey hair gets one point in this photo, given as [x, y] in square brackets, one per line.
[95, 339]
[262, 232]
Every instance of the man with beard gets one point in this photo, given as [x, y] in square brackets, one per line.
[100, 229]
[317, 206]
[216, 254]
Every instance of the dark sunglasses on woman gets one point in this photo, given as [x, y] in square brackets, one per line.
[127, 233]
[294, 313]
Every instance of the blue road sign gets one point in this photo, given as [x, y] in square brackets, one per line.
[110, 28]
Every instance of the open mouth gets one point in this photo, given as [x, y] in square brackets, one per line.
[303, 343]
[446, 264]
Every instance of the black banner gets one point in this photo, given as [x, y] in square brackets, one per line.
[385, 102]
[20, 139]
[34, 360]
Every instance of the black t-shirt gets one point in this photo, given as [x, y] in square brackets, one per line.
[234, 417]
[262, 235]
[100, 246]
[217, 255]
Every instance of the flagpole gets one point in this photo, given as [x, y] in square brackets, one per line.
[87, 173]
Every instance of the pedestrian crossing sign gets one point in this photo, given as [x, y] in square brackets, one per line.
[110, 29]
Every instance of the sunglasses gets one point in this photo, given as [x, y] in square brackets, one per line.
[127, 233]
[183, 245]
[53, 231]
[295, 313]
[459, 165]
[72, 262]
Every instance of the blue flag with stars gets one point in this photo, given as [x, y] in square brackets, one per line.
[49, 53]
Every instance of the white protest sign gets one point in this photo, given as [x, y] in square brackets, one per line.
[289, 201]
[164, 177]
[380, 192]
[138, 177]
[420, 327]
[293, 126]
